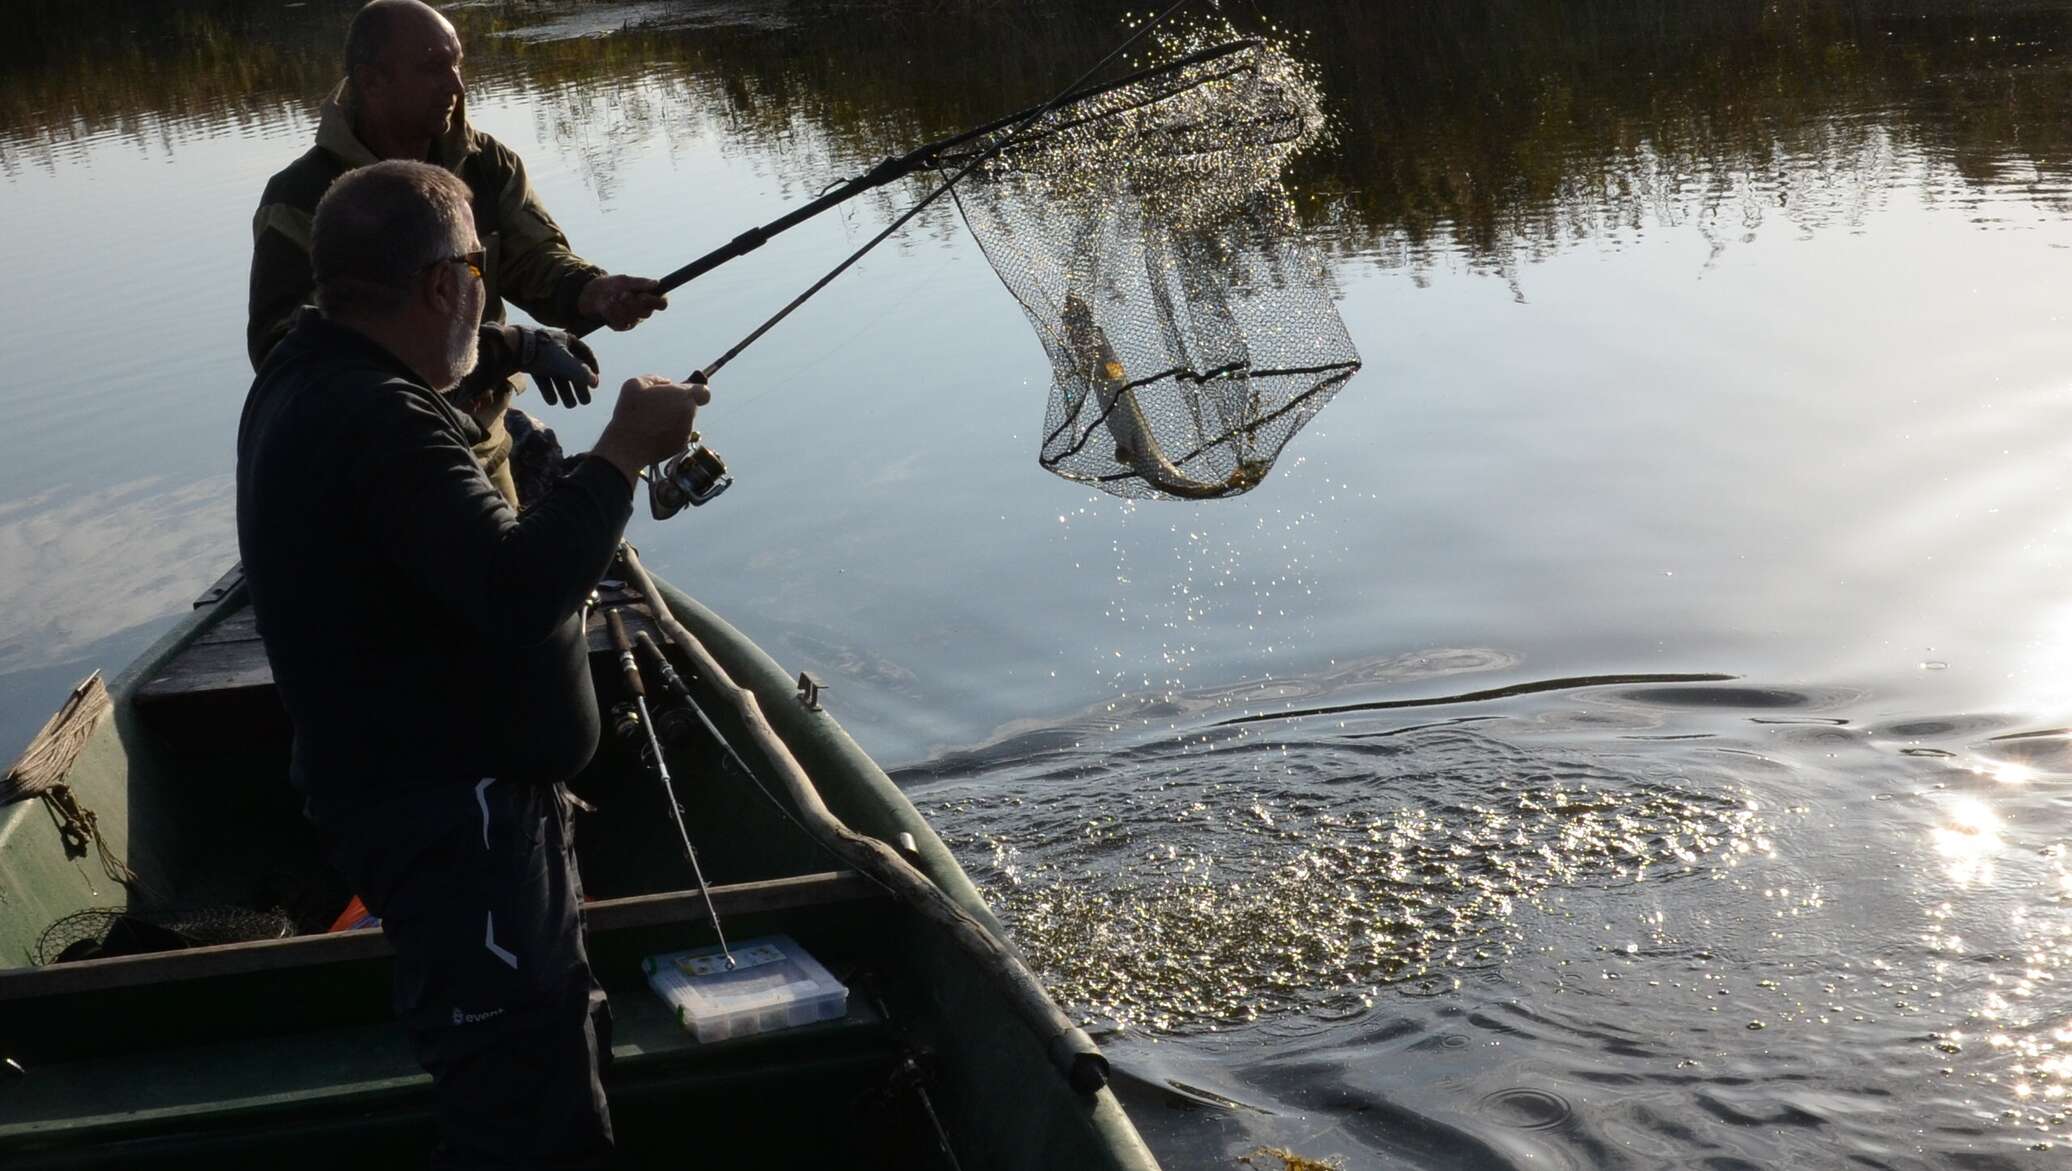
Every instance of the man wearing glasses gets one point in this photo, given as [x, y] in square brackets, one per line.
[373, 545]
[403, 98]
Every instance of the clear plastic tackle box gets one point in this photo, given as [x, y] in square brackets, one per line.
[774, 984]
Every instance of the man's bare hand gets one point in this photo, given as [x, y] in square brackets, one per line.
[622, 302]
[651, 422]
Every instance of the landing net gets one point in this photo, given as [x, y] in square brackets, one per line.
[100, 932]
[1149, 236]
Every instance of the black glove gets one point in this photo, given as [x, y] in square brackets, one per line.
[562, 365]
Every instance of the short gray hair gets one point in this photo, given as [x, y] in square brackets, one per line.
[378, 227]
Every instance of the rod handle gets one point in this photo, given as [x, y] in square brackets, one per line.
[672, 683]
[624, 646]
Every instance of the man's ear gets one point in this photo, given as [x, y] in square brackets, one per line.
[439, 289]
[363, 78]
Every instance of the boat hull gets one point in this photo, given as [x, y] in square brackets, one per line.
[253, 1053]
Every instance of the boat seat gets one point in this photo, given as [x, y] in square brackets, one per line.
[288, 1035]
[217, 690]
[223, 679]
[353, 1072]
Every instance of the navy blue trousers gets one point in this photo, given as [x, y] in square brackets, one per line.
[478, 890]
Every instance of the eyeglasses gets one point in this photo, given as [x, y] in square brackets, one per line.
[472, 259]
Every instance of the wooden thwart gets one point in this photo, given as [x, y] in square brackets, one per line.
[229, 656]
[777, 894]
[210, 667]
[238, 625]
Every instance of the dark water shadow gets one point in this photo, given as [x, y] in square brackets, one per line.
[1568, 683]
[1720, 697]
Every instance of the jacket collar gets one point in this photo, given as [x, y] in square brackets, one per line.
[315, 333]
[319, 333]
[335, 133]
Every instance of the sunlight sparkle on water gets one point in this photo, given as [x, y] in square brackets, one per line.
[2007, 772]
[1188, 903]
[1968, 839]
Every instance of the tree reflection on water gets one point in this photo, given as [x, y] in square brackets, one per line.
[1499, 131]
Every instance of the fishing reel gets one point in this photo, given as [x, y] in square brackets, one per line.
[626, 729]
[690, 477]
[674, 727]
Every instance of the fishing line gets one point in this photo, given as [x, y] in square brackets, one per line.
[1009, 140]
[887, 306]
[891, 170]
[1147, 232]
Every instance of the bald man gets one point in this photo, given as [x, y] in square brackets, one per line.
[403, 98]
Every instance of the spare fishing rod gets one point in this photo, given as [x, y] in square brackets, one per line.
[965, 925]
[673, 684]
[689, 476]
[630, 668]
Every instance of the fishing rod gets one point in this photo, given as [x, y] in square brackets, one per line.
[892, 170]
[963, 926]
[630, 668]
[673, 684]
[689, 477]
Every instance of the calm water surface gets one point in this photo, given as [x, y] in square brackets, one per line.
[1703, 339]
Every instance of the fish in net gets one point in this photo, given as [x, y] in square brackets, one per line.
[1150, 237]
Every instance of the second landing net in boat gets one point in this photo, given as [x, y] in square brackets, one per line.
[1151, 240]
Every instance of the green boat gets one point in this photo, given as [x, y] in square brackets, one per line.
[282, 1049]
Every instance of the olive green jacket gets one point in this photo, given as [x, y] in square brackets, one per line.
[528, 259]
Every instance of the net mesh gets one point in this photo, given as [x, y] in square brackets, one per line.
[104, 931]
[1150, 237]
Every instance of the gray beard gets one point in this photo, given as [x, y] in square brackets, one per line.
[463, 346]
